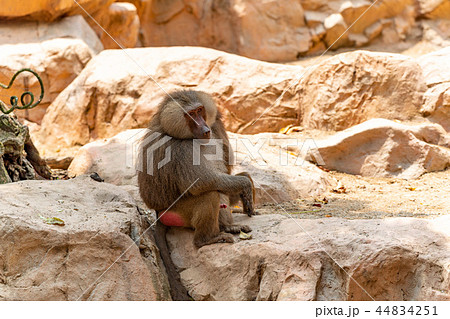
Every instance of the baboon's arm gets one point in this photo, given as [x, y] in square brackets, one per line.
[224, 183]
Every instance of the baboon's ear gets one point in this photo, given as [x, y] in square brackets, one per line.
[173, 121]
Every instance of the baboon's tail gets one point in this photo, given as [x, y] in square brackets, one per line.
[177, 290]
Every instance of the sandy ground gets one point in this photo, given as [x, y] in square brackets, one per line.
[370, 197]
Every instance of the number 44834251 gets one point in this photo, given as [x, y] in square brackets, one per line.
[404, 310]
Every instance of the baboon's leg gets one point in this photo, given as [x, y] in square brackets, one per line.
[205, 220]
[226, 223]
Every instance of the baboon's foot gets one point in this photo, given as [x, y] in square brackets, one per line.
[235, 229]
[220, 238]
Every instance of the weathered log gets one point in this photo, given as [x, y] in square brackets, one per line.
[19, 158]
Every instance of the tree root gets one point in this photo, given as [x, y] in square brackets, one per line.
[19, 158]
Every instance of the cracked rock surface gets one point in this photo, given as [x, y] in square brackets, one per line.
[102, 228]
[297, 259]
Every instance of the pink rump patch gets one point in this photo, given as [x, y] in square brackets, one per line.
[171, 218]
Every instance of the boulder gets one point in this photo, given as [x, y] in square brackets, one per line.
[435, 66]
[56, 51]
[103, 252]
[390, 35]
[436, 105]
[383, 148]
[358, 40]
[116, 91]
[436, 102]
[435, 35]
[277, 174]
[374, 30]
[362, 13]
[314, 19]
[320, 259]
[335, 28]
[74, 27]
[321, 5]
[405, 21]
[355, 12]
[435, 9]
[353, 87]
[121, 22]
[49, 10]
[269, 30]
[57, 62]
[113, 159]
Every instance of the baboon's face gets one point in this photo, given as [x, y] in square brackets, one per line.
[188, 115]
[196, 120]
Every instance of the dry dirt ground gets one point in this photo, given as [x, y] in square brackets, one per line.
[370, 197]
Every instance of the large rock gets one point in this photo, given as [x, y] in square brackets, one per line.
[435, 9]
[354, 12]
[102, 228]
[120, 26]
[49, 10]
[436, 66]
[56, 51]
[57, 62]
[436, 103]
[384, 148]
[320, 259]
[335, 27]
[351, 88]
[104, 100]
[114, 159]
[357, 12]
[340, 92]
[269, 30]
[276, 174]
[119, 20]
[275, 30]
[75, 27]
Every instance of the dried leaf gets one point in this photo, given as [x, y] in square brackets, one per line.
[245, 236]
[52, 220]
[340, 189]
[284, 130]
[322, 201]
[294, 129]
[317, 205]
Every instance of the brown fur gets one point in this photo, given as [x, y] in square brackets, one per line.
[200, 205]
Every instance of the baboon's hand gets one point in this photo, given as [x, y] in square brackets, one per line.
[247, 203]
